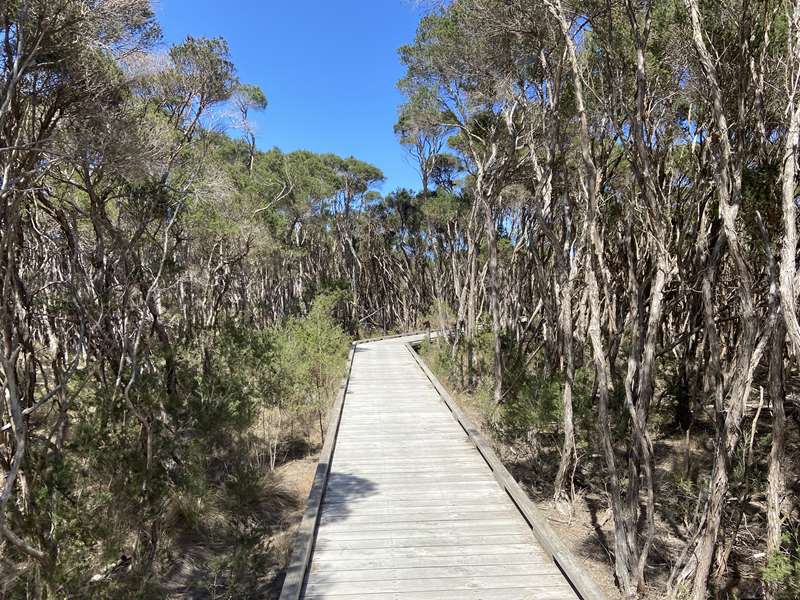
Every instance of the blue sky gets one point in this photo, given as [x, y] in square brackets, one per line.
[328, 69]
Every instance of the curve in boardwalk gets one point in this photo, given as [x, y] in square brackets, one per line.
[411, 507]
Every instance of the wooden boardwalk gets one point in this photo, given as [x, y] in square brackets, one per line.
[410, 508]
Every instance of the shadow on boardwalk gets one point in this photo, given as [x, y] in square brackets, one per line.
[342, 490]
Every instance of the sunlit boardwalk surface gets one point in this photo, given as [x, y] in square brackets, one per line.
[411, 509]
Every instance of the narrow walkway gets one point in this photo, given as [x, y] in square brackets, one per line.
[411, 509]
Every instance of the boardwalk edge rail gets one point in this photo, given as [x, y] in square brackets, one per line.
[304, 538]
[580, 581]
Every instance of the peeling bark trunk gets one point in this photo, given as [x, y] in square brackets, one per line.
[777, 499]
[494, 303]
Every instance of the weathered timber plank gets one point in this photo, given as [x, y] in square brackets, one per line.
[529, 567]
[443, 563]
[414, 515]
[423, 551]
[577, 576]
[529, 582]
[496, 594]
[420, 529]
[444, 539]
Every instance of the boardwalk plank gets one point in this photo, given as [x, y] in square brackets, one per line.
[529, 582]
[411, 509]
[529, 567]
[495, 594]
[442, 563]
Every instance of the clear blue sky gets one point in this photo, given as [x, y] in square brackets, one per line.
[328, 69]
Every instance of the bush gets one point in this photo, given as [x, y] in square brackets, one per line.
[311, 352]
[532, 403]
[782, 571]
[184, 504]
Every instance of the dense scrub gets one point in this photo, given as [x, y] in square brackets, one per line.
[526, 431]
[195, 508]
[624, 279]
[168, 338]
[606, 229]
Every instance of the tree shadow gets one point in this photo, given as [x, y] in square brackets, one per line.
[599, 541]
[342, 490]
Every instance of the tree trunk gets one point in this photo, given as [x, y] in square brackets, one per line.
[568, 452]
[494, 303]
[776, 478]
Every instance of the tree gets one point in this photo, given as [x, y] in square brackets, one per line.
[248, 98]
[419, 128]
[656, 264]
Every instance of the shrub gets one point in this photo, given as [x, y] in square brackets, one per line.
[311, 351]
[782, 571]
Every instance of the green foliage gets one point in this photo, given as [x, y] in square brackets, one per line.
[238, 378]
[204, 69]
[438, 356]
[533, 393]
[782, 571]
[761, 198]
[440, 316]
[444, 170]
[207, 490]
[249, 97]
[535, 405]
[534, 399]
[444, 207]
[311, 354]
[354, 177]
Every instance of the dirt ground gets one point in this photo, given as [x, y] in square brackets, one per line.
[578, 532]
